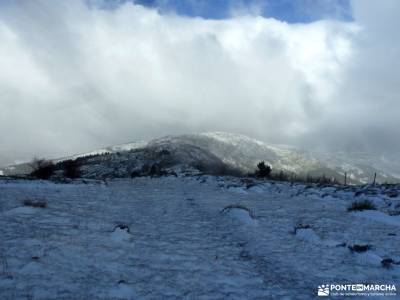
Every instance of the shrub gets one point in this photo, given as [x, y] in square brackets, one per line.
[359, 248]
[156, 171]
[217, 169]
[35, 203]
[389, 262]
[361, 205]
[71, 169]
[320, 180]
[263, 170]
[135, 174]
[42, 169]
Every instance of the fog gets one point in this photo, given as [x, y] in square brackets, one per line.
[75, 77]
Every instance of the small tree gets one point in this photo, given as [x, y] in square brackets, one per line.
[42, 168]
[263, 170]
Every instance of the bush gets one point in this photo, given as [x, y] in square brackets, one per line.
[361, 205]
[35, 203]
[156, 171]
[263, 170]
[42, 169]
[359, 248]
[217, 169]
[71, 169]
[135, 174]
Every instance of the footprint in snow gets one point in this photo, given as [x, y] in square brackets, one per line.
[306, 233]
[368, 258]
[378, 216]
[239, 190]
[241, 214]
[122, 291]
[121, 234]
[33, 268]
[23, 210]
[365, 256]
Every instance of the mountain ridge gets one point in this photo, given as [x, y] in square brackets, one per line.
[238, 152]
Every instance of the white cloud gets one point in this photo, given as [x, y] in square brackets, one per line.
[74, 77]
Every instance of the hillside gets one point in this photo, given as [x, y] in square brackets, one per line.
[217, 151]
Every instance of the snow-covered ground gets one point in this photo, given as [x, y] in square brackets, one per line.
[192, 238]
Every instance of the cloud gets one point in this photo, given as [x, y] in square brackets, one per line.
[74, 77]
[364, 108]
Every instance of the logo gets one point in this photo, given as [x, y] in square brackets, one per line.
[323, 290]
[358, 289]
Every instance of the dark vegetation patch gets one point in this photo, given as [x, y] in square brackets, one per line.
[35, 203]
[388, 263]
[46, 169]
[392, 194]
[42, 168]
[394, 213]
[264, 170]
[154, 170]
[359, 248]
[70, 168]
[361, 205]
[217, 169]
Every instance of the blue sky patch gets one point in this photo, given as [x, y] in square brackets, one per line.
[291, 11]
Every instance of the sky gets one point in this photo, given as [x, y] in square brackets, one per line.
[79, 75]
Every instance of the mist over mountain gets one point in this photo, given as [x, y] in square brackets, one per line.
[226, 153]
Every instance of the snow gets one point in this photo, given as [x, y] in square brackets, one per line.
[120, 235]
[368, 258]
[308, 235]
[187, 238]
[379, 217]
[242, 216]
[122, 291]
[21, 211]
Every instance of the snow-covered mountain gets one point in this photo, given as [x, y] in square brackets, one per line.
[197, 237]
[217, 151]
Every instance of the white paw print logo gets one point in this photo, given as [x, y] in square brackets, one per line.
[323, 290]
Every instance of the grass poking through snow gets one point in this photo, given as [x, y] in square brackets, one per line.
[361, 205]
[35, 203]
